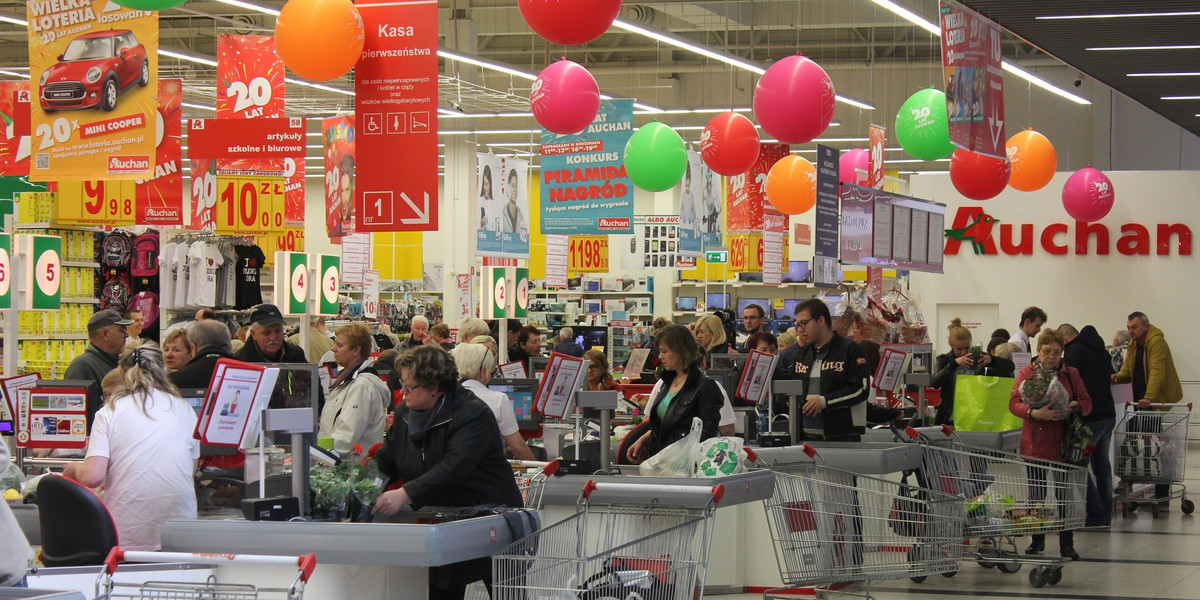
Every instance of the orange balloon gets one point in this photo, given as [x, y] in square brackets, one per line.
[792, 185]
[1033, 159]
[319, 40]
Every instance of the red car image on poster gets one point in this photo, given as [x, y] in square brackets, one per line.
[93, 70]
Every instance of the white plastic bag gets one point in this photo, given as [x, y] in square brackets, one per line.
[721, 456]
[677, 459]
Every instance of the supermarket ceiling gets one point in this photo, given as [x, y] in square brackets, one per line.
[876, 58]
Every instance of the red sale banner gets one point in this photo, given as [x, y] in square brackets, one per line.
[203, 194]
[14, 137]
[160, 200]
[293, 210]
[249, 77]
[745, 193]
[246, 138]
[971, 57]
[337, 137]
[876, 137]
[396, 82]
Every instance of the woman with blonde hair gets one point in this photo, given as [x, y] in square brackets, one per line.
[958, 361]
[710, 334]
[141, 448]
[475, 364]
[177, 350]
[358, 398]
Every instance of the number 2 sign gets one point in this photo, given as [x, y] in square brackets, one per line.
[42, 257]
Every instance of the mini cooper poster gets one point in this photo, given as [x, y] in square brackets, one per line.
[93, 68]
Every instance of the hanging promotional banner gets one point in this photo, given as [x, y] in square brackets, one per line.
[503, 207]
[203, 194]
[370, 294]
[775, 225]
[745, 194]
[249, 77]
[102, 57]
[396, 82]
[587, 254]
[495, 293]
[246, 139]
[711, 217]
[108, 203]
[521, 299]
[338, 138]
[294, 190]
[584, 185]
[971, 59]
[876, 138]
[14, 135]
[691, 208]
[463, 295]
[160, 200]
[557, 252]
[825, 236]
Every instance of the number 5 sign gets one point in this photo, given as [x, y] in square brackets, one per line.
[42, 269]
[331, 278]
[291, 282]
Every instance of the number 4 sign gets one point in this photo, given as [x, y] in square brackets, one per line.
[42, 267]
[291, 282]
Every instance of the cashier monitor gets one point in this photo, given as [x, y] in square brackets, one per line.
[521, 392]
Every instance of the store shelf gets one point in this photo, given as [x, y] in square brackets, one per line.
[53, 336]
[81, 263]
[46, 225]
[80, 301]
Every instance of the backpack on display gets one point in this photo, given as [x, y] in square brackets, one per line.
[116, 294]
[145, 255]
[145, 302]
[117, 250]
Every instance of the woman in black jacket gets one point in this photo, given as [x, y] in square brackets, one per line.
[950, 365]
[682, 393]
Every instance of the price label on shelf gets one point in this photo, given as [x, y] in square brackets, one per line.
[96, 202]
[588, 254]
[291, 239]
[250, 205]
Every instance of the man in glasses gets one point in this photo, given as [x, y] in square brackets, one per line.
[753, 318]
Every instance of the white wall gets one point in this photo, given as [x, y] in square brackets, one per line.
[1081, 290]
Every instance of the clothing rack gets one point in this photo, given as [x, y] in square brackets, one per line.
[206, 236]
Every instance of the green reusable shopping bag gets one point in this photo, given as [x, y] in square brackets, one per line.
[981, 403]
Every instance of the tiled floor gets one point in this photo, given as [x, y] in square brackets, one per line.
[1138, 558]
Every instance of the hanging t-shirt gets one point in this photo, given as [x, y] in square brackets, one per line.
[204, 260]
[169, 273]
[183, 275]
[249, 265]
[231, 274]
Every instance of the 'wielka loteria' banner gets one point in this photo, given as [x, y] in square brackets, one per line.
[160, 200]
[94, 107]
[396, 81]
[14, 128]
[971, 59]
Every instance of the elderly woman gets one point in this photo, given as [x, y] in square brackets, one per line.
[710, 334]
[682, 393]
[475, 365]
[142, 450]
[177, 350]
[470, 328]
[598, 377]
[358, 398]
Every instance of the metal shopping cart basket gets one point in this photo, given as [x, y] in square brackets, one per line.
[532, 480]
[1007, 495]
[108, 589]
[832, 526]
[648, 540]
[1151, 447]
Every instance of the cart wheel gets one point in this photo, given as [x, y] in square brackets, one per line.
[1155, 509]
[920, 579]
[1009, 567]
[985, 564]
[1037, 577]
[1187, 506]
[1054, 576]
[949, 574]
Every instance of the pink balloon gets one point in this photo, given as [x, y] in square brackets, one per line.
[851, 163]
[793, 100]
[1088, 195]
[565, 98]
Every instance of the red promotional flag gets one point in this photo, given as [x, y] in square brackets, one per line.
[745, 192]
[203, 194]
[397, 123]
[877, 137]
[14, 133]
[160, 200]
[971, 59]
[293, 209]
[338, 138]
[249, 77]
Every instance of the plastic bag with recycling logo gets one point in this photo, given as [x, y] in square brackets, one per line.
[720, 456]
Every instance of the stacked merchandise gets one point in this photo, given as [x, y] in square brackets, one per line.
[212, 272]
[129, 276]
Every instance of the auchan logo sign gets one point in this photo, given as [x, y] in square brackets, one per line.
[990, 235]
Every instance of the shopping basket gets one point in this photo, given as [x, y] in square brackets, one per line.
[832, 526]
[1151, 448]
[654, 549]
[532, 481]
[108, 589]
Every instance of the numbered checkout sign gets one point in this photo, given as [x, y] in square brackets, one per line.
[41, 259]
[5, 271]
[521, 304]
[291, 282]
[495, 294]
[330, 272]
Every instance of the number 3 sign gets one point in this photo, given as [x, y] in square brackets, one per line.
[331, 279]
[42, 259]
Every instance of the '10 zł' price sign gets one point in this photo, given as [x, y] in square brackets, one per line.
[96, 202]
[249, 205]
[588, 254]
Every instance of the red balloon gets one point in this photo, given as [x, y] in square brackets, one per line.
[569, 22]
[978, 176]
[729, 144]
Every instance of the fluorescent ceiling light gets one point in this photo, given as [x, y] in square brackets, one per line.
[1188, 13]
[14, 74]
[14, 20]
[1181, 98]
[1177, 74]
[248, 6]
[188, 57]
[910, 16]
[491, 132]
[487, 64]
[1118, 48]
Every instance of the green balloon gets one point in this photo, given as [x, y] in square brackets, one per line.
[655, 157]
[149, 4]
[922, 127]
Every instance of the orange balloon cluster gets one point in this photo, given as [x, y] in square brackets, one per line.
[1033, 159]
[792, 185]
[319, 40]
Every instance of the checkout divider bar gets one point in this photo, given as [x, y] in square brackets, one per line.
[306, 564]
[717, 491]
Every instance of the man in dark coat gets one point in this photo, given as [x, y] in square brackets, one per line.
[1086, 352]
[266, 344]
[210, 342]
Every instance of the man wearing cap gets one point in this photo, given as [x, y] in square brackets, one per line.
[210, 342]
[106, 337]
[266, 344]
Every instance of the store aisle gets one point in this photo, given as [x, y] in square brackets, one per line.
[1139, 558]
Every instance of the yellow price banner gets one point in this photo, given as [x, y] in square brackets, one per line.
[249, 205]
[96, 202]
[289, 240]
[745, 253]
[588, 254]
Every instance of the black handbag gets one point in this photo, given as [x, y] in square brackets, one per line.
[1077, 443]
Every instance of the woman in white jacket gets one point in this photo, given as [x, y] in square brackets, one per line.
[354, 410]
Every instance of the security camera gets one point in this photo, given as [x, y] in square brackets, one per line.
[1079, 81]
[459, 108]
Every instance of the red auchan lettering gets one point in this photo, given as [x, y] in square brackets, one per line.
[615, 224]
[988, 235]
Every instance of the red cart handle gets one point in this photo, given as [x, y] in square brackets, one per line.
[306, 563]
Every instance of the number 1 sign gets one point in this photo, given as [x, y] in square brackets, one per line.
[42, 267]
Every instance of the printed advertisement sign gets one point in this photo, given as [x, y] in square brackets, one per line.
[745, 193]
[826, 244]
[291, 282]
[463, 295]
[338, 138]
[588, 254]
[14, 128]
[584, 185]
[203, 194]
[653, 245]
[691, 208]
[774, 249]
[52, 418]
[160, 200]
[94, 107]
[557, 250]
[245, 139]
[883, 229]
[249, 77]
[711, 218]
[877, 137]
[396, 81]
[503, 207]
[971, 59]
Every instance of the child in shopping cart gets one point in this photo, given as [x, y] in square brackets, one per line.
[1044, 393]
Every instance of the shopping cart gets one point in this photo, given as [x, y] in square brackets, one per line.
[649, 540]
[832, 526]
[1007, 495]
[1151, 447]
[108, 589]
[531, 481]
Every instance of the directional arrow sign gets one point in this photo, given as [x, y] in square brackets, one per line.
[421, 213]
